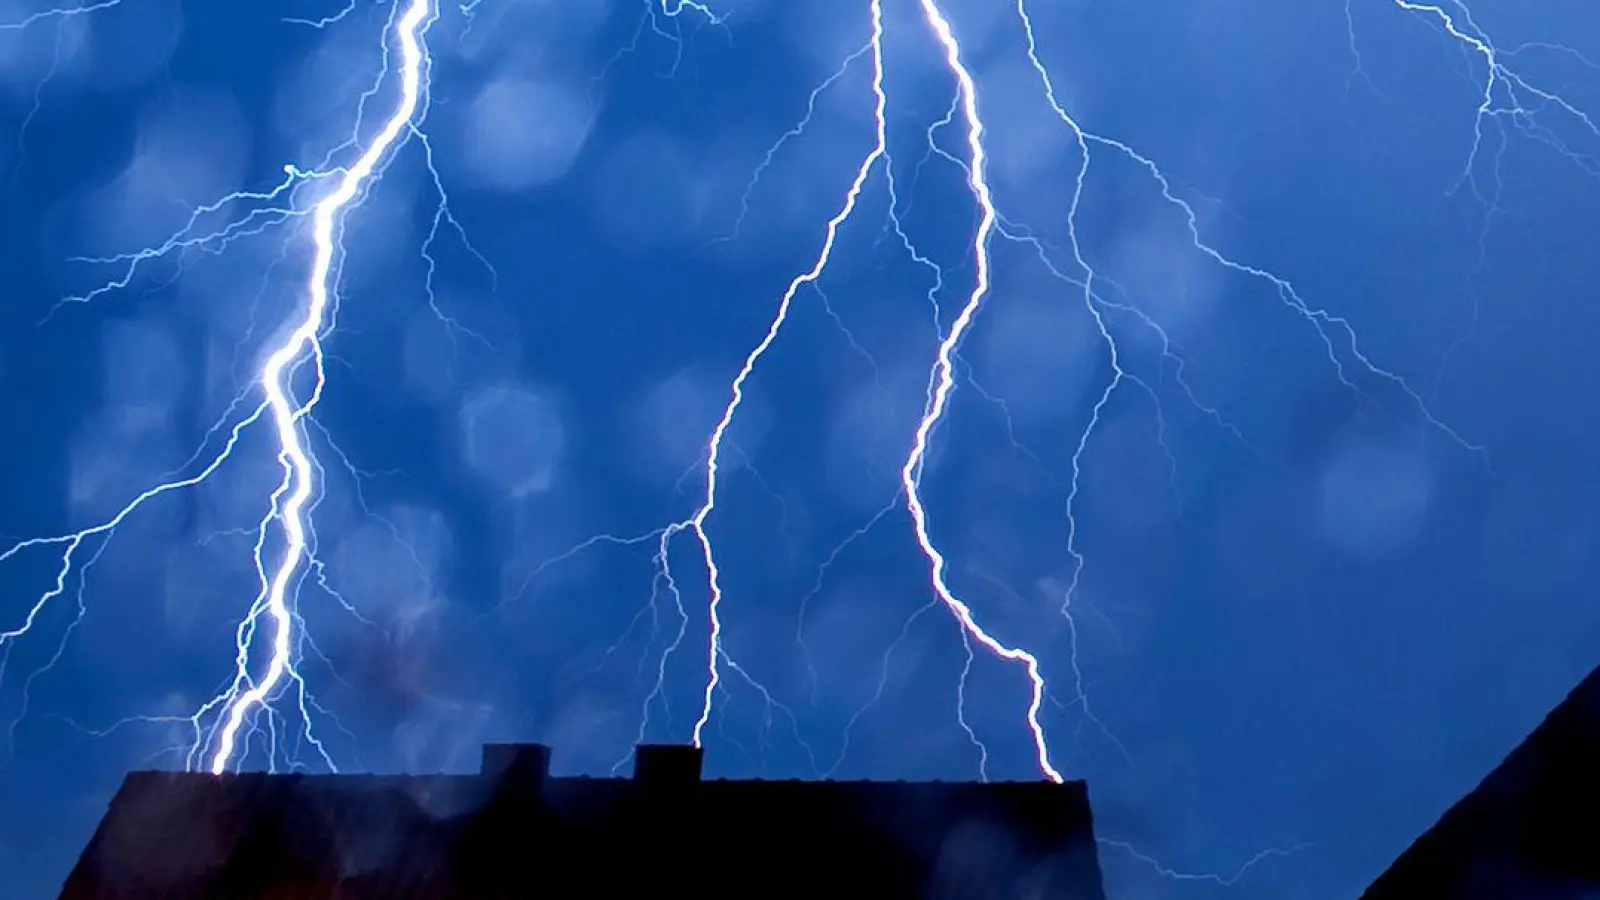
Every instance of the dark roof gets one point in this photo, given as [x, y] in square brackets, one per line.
[1529, 831]
[514, 831]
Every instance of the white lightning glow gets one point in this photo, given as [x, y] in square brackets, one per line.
[945, 381]
[300, 471]
[263, 673]
[942, 380]
[218, 744]
[714, 449]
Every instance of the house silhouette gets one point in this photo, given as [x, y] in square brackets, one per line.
[1529, 831]
[514, 831]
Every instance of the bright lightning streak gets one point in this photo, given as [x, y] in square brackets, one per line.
[300, 469]
[942, 380]
[714, 451]
[1503, 93]
[247, 706]
[945, 383]
[289, 503]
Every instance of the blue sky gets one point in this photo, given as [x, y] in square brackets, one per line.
[1326, 560]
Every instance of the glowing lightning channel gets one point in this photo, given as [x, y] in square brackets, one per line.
[285, 414]
[714, 450]
[945, 374]
[1499, 81]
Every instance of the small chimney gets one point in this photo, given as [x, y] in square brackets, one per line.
[667, 764]
[522, 766]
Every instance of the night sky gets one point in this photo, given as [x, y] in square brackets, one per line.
[1295, 507]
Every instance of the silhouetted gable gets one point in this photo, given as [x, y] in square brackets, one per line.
[1529, 831]
[513, 831]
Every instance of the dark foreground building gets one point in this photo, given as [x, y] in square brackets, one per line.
[1530, 831]
[513, 831]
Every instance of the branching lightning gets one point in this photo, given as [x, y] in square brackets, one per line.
[289, 381]
[716, 652]
[1336, 334]
[942, 380]
[1506, 93]
[945, 381]
[219, 742]
[1206, 877]
[299, 470]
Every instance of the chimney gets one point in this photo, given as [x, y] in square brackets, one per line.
[667, 764]
[518, 766]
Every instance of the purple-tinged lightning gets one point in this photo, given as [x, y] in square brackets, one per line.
[299, 469]
[911, 472]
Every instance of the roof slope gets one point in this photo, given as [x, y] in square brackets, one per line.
[177, 836]
[1529, 831]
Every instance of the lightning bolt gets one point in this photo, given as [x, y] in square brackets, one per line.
[290, 381]
[299, 470]
[945, 382]
[290, 503]
[697, 523]
[1505, 93]
[1337, 335]
[942, 379]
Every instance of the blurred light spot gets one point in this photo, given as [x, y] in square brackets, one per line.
[391, 562]
[442, 736]
[230, 500]
[193, 148]
[107, 463]
[313, 107]
[132, 44]
[1374, 500]
[130, 438]
[1039, 353]
[1154, 260]
[142, 374]
[649, 194]
[430, 359]
[1027, 139]
[513, 438]
[521, 134]
[818, 43]
[28, 55]
[527, 34]
[673, 422]
[867, 443]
